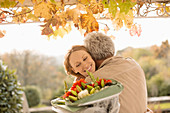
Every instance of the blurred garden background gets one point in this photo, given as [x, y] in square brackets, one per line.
[42, 77]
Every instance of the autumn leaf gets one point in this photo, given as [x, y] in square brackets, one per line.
[47, 31]
[96, 7]
[82, 31]
[83, 14]
[2, 33]
[34, 1]
[54, 21]
[139, 30]
[85, 2]
[105, 3]
[32, 17]
[2, 16]
[85, 18]
[56, 32]
[126, 6]
[60, 32]
[23, 15]
[44, 10]
[113, 37]
[106, 29]
[112, 8]
[59, 19]
[128, 19]
[133, 0]
[73, 14]
[135, 30]
[117, 22]
[7, 3]
[94, 26]
[59, 6]
[21, 1]
[52, 7]
[89, 23]
[81, 7]
[53, 1]
[68, 27]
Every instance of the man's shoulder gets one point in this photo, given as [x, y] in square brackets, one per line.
[116, 60]
[117, 65]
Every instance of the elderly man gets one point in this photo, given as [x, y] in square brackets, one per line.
[127, 71]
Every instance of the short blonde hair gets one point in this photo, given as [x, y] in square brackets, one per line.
[67, 64]
[99, 45]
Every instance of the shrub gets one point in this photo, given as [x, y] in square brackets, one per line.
[10, 91]
[154, 85]
[165, 89]
[33, 95]
[58, 93]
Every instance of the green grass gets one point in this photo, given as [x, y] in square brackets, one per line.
[40, 105]
[161, 105]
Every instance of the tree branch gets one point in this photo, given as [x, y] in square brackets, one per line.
[22, 13]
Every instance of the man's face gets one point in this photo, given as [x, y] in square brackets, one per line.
[82, 61]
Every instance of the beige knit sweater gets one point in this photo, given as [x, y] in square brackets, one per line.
[133, 98]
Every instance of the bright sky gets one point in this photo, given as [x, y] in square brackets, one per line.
[28, 36]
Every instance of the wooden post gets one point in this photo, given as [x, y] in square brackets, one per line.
[25, 104]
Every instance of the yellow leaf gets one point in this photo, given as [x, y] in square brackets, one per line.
[113, 37]
[68, 28]
[85, 2]
[2, 33]
[81, 7]
[59, 6]
[49, 36]
[133, 0]
[117, 23]
[43, 10]
[60, 19]
[128, 19]
[54, 37]
[21, 1]
[73, 14]
[80, 28]
[89, 23]
[56, 33]
[34, 1]
[96, 7]
[60, 32]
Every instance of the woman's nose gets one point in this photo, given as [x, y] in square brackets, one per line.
[85, 67]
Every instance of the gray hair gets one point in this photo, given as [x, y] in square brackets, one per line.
[99, 45]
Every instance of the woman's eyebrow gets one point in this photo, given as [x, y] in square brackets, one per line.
[77, 62]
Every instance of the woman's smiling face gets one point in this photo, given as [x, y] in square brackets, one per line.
[81, 61]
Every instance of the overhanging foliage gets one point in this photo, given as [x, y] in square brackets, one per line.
[60, 15]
